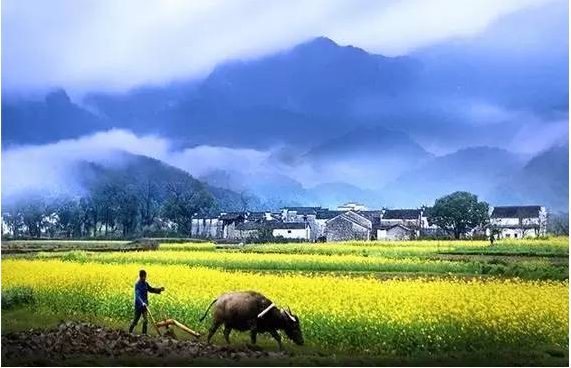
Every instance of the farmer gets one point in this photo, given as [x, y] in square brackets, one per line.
[142, 287]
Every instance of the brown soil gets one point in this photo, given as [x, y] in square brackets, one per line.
[71, 340]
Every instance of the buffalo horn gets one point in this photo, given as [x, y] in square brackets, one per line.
[266, 310]
[289, 315]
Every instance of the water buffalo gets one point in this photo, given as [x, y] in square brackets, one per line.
[249, 310]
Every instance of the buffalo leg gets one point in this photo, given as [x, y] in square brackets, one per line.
[253, 331]
[278, 338]
[213, 329]
[227, 331]
[253, 335]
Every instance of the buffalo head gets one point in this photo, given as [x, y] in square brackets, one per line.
[292, 328]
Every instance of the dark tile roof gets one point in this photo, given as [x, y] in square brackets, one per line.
[232, 216]
[388, 227]
[327, 214]
[251, 225]
[287, 225]
[516, 211]
[355, 218]
[403, 214]
[256, 216]
[373, 215]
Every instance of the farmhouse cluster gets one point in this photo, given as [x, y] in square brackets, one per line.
[356, 222]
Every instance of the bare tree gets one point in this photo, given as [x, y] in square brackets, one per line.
[558, 223]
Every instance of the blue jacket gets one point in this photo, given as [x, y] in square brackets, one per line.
[141, 290]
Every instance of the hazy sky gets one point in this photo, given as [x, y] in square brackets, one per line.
[115, 45]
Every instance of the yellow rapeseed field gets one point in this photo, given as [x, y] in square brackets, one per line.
[344, 313]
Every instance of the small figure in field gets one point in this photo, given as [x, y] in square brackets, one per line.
[142, 287]
[492, 237]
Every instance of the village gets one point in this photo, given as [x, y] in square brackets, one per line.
[353, 221]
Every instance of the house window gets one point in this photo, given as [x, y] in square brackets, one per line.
[289, 231]
[515, 235]
[507, 235]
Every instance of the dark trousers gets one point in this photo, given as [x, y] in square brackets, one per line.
[138, 313]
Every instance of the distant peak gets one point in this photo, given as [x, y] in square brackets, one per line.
[318, 43]
[58, 97]
[324, 41]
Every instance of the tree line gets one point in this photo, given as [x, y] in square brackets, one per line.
[111, 210]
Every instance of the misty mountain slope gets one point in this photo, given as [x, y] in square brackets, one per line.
[368, 157]
[317, 76]
[298, 97]
[544, 180]
[277, 191]
[312, 92]
[50, 120]
[144, 172]
[367, 141]
[81, 177]
[334, 194]
[140, 109]
[272, 189]
[477, 170]
[342, 115]
[210, 122]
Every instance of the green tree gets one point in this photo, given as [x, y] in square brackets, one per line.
[68, 213]
[105, 200]
[459, 213]
[148, 195]
[34, 212]
[184, 201]
[127, 210]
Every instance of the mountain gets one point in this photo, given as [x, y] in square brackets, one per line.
[344, 119]
[318, 77]
[476, 170]
[369, 141]
[48, 120]
[140, 171]
[141, 108]
[277, 191]
[123, 169]
[544, 180]
[318, 90]
[332, 195]
[369, 156]
[271, 189]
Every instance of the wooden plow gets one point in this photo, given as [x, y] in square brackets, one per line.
[170, 322]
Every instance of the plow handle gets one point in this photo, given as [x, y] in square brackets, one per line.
[153, 320]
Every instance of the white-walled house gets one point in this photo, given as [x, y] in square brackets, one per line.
[409, 223]
[291, 230]
[308, 215]
[410, 217]
[519, 222]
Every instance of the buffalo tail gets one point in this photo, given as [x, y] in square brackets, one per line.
[207, 309]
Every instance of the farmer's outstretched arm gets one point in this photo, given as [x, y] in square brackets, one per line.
[154, 290]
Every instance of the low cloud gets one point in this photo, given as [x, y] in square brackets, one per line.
[49, 168]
